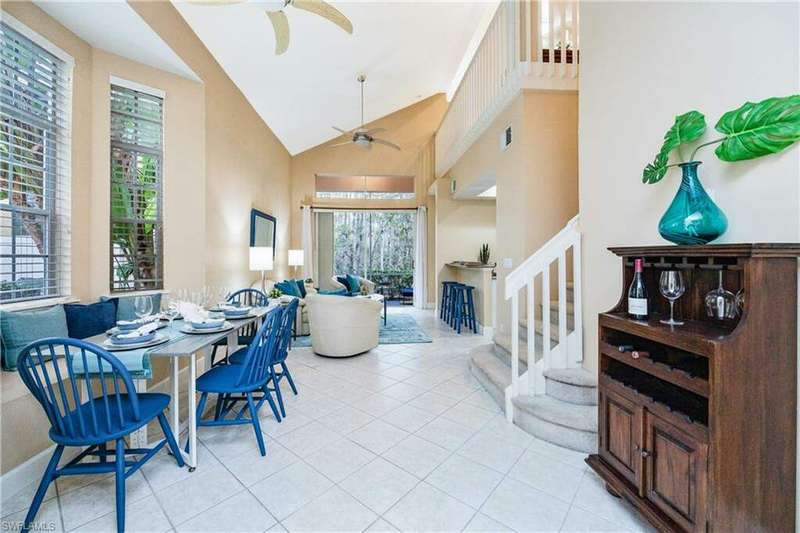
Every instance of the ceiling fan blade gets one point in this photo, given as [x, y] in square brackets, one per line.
[340, 130]
[325, 10]
[373, 131]
[340, 144]
[214, 2]
[386, 143]
[281, 26]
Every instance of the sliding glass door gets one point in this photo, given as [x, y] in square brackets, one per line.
[377, 245]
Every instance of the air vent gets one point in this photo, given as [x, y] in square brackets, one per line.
[505, 138]
[453, 186]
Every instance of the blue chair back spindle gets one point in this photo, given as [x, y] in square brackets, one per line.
[261, 353]
[251, 297]
[56, 388]
[287, 324]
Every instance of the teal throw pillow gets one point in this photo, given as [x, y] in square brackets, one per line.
[21, 328]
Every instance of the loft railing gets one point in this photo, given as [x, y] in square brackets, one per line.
[526, 45]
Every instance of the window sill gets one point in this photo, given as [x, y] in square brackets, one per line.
[125, 294]
[38, 304]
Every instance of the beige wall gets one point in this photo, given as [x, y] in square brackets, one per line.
[412, 128]
[246, 165]
[701, 56]
[206, 199]
[462, 226]
[536, 176]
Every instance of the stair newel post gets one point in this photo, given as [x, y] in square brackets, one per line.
[546, 317]
[533, 370]
[576, 356]
[515, 343]
[563, 347]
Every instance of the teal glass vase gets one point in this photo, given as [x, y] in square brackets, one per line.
[692, 217]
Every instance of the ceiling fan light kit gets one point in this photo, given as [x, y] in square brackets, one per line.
[361, 136]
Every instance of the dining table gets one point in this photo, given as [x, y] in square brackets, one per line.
[191, 347]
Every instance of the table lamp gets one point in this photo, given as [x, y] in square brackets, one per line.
[261, 261]
[295, 259]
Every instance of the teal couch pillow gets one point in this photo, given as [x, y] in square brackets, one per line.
[289, 288]
[301, 286]
[335, 292]
[125, 309]
[353, 284]
[20, 328]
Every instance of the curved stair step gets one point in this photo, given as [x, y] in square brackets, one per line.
[491, 372]
[571, 385]
[561, 423]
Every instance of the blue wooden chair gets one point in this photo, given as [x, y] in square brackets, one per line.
[114, 411]
[236, 383]
[281, 353]
[249, 297]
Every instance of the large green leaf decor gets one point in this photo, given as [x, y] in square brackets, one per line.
[759, 129]
[750, 131]
[687, 128]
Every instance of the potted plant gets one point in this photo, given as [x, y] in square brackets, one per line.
[748, 132]
[483, 254]
[274, 294]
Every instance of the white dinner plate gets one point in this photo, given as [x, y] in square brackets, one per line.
[160, 338]
[226, 326]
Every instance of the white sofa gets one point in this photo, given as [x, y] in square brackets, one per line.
[363, 281]
[342, 326]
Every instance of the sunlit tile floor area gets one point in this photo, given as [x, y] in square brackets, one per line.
[401, 438]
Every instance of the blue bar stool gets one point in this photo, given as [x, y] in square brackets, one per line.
[445, 307]
[464, 308]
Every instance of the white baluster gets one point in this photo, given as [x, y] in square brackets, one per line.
[546, 317]
[576, 301]
[531, 356]
[515, 343]
[562, 309]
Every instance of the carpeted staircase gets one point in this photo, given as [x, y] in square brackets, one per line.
[567, 414]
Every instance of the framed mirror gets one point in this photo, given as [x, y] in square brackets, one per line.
[262, 229]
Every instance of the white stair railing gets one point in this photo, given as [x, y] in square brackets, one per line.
[568, 352]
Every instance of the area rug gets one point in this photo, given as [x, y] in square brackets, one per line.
[399, 329]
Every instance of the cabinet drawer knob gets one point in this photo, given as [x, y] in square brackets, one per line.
[645, 454]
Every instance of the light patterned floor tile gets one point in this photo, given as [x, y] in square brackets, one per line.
[200, 491]
[416, 456]
[144, 516]
[408, 418]
[465, 480]
[553, 477]
[379, 485]
[377, 436]
[426, 508]
[445, 433]
[335, 510]
[524, 508]
[241, 513]
[290, 489]
[340, 459]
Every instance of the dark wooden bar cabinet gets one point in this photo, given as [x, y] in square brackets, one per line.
[697, 422]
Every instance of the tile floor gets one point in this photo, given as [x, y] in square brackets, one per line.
[402, 438]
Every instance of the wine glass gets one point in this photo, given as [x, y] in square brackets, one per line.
[143, 306]
[672, 287]
[720, 303]
[169, 308]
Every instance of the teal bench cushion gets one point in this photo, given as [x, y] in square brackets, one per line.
[137, 363]
[125, 309]
[353, 284]
[20, 328]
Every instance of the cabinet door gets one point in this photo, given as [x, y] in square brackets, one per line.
[620, 434]
[676, 470]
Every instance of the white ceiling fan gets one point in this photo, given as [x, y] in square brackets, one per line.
[275, 12]
[362, 136]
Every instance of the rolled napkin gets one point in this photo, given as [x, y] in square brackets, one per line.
[192, 312]
[235, 310]
[207, 323]
[130, 325]
[143, 334]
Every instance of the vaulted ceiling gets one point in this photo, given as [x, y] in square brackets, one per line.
[408, 51]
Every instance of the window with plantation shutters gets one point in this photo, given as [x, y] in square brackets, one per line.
[136, 203]
[35, 99]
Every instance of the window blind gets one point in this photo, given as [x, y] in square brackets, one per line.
[136, 190]
[35, 100]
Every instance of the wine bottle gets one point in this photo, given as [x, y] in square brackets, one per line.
[637, 293]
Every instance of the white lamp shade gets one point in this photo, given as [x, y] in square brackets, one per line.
[260, 258]
[295, 257]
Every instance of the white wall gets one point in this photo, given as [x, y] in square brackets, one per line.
[643, 63]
